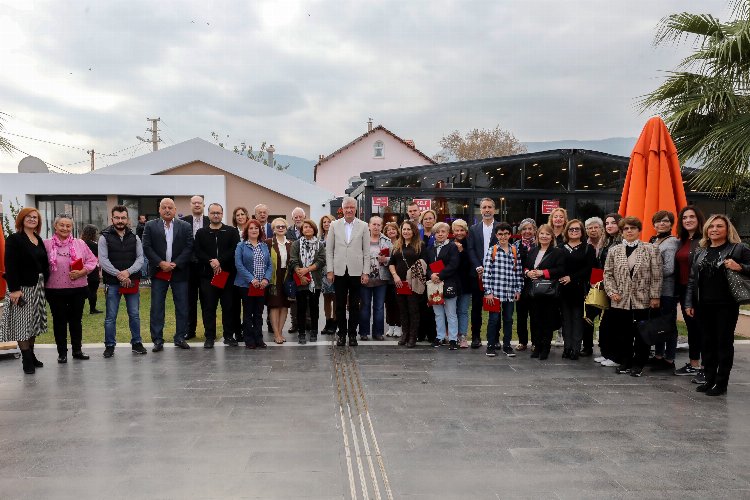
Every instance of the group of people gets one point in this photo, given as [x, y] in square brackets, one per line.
[414, 281]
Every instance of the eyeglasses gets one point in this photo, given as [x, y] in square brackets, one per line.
[503, 235]
[574, 230]
[630, 228]
[280, 226]
[31, 217]
[664, 221]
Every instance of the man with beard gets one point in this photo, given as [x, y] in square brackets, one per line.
[121, 259]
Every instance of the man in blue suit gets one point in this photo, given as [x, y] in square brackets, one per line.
[481, 237]
[168, 244]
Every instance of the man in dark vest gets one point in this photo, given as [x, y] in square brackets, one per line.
[121, 259]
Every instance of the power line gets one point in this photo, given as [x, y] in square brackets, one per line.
[42, 140]
[116, 153]
[45, 162]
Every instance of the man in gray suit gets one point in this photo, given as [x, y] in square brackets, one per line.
[168, 244]
[347, 261]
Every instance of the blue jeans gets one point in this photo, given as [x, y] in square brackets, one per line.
[372, 298]
[158, 299]
[462, 311]
[132, 303]
[668, 307]
[493, 325]
[447, 310]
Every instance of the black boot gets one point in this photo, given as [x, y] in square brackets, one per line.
[37, 363]
[301, 339]
[313, 336]
[341, 340]
[27, 361]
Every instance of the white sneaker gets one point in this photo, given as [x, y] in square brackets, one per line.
[609, 362]
[389, 331]
[599, 359]
[397, 331]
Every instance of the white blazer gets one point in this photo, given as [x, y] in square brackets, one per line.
[353, 256]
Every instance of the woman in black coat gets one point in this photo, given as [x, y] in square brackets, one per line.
[544, 262]
[709, 293]
[447, 252]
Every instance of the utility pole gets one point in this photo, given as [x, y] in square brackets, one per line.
[92, 158]
[155, 140]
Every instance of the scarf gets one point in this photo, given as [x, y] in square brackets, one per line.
[308, 249]
[632, 244]
[528, 242]
[58, 243]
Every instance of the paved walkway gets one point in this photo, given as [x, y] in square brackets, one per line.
[323, 423]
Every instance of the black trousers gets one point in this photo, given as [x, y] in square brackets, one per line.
[347, 288]
[252, 321]
[91, 290]
[572, 316]
[66, 305]
[607, 337]
[237, 305]
[693, 325]
[308, 303]
[392, 315]
[631, 350]
[477, 301]
[194, 286]
[523, 318]
[545, 319]
[408, 307]
[210, 299]
[718, 322]
[427, 325]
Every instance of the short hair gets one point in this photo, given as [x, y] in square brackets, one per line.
[441, 225]
[630, 220]
[234, 214]
[254, 222]
[567, 226]
[412, 204]
[547, 228]
[421, 216]
[684, 234]
[260, 205]
[199, 196]
[312, 224]
[22, 215]
[460, 223]
[487, 199]
[503, 226]
[527, 222]
[376, 217]
[594, 220]
[276, 221]
[60, 217]
[732, 235]
[391, 225]
[554, 211]
[89, 232]
[217, 205]
[348, 200]
[119, 208]
[661, 214]
[298, 209]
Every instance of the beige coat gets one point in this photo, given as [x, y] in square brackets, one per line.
[645, 283]
[353, 256]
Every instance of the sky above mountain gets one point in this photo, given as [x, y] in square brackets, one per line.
[306, 75]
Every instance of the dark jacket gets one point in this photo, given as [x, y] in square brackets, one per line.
[451, 260]
[216, 244]
[24, 261]
[139, 230]
[155, 246]
[553, 262]
[93, 276]
[578, 264]
[740, 253]
[291, 233]
[206, 222]
[121, 253]
[475, 240]
[467, 276]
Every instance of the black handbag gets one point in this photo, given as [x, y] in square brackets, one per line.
[542, 287]
[655, 330]
[739, 284]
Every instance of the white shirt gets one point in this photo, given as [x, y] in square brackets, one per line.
[169, 234]
[348, 227]
[487, 232]
[282, 253]
[197, 224]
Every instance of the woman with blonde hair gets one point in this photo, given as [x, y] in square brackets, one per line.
[278, 302]
[329, 293]
[558, 219]
[721, 252]
[428, 219]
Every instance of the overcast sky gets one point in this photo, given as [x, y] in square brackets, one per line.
[305, 75]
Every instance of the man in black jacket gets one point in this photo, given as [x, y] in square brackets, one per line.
[198, 221]
[168, 244]
[481, 237]
[121, 258]
[214, 248]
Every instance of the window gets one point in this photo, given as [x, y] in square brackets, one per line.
[551, 174]
[379, 150]
[84, 211]
[595, 174]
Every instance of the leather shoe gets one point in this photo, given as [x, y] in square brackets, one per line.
[182, 344]
[80, 355]
[716, 390]
[703, 387]
[476, 344]
[189, 336]
[353, 342]
[158, 347]
[62, 359]
[341, 341]
[208, 344]
[230, 341]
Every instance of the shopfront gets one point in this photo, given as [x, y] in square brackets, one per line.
[586, 183]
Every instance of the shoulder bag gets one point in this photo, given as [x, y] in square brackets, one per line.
[543, 287]
[654, 330]
[739, 284]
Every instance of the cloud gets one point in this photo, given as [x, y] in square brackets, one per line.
[305, 75]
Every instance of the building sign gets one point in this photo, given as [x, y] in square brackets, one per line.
[549, 205]
[379, 201]
[424, 204]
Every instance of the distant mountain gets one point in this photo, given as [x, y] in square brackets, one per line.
[622, 146]
[298, 167]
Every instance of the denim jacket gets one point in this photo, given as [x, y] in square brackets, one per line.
[243, 259]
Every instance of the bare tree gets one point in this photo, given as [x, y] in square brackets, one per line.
[478, 144]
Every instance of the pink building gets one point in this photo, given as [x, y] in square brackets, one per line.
[378, 149]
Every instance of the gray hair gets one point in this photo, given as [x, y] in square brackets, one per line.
[527, 222]
[594, 220]
[298, 209]
[348, 200]
[59, 217]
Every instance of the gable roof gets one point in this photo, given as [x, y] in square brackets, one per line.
[409, 144]
[198, 149]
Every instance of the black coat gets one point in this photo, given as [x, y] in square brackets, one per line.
[578, 264]
[216, 244]
[206, 222]
[553, 262]
[155, 246]
[24, 261]
[467, 276]
[451, 260]
[475, 243]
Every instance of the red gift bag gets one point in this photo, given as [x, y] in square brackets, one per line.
[220, 279]
[76, 265]
[298, 280]
[385, 252]
[253, 291]
[404, 290]
[597, 276]
[493, 308]
[437, 266]
[163, 275]
[130, 290]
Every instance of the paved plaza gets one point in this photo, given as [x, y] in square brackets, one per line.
[376, 421]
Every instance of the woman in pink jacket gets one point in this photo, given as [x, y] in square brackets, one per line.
[70, 261]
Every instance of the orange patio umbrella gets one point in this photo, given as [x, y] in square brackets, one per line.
[654, 181]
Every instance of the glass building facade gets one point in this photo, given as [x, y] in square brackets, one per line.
[586, 183]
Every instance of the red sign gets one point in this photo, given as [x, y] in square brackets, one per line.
[424, 204]
[549, 205]
[379, 201]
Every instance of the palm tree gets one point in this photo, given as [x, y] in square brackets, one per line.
[5, 144]
[706, 101]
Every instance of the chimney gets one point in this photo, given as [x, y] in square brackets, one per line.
[410, 142]
[270, 150]
[320, 158]
[369, 124]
